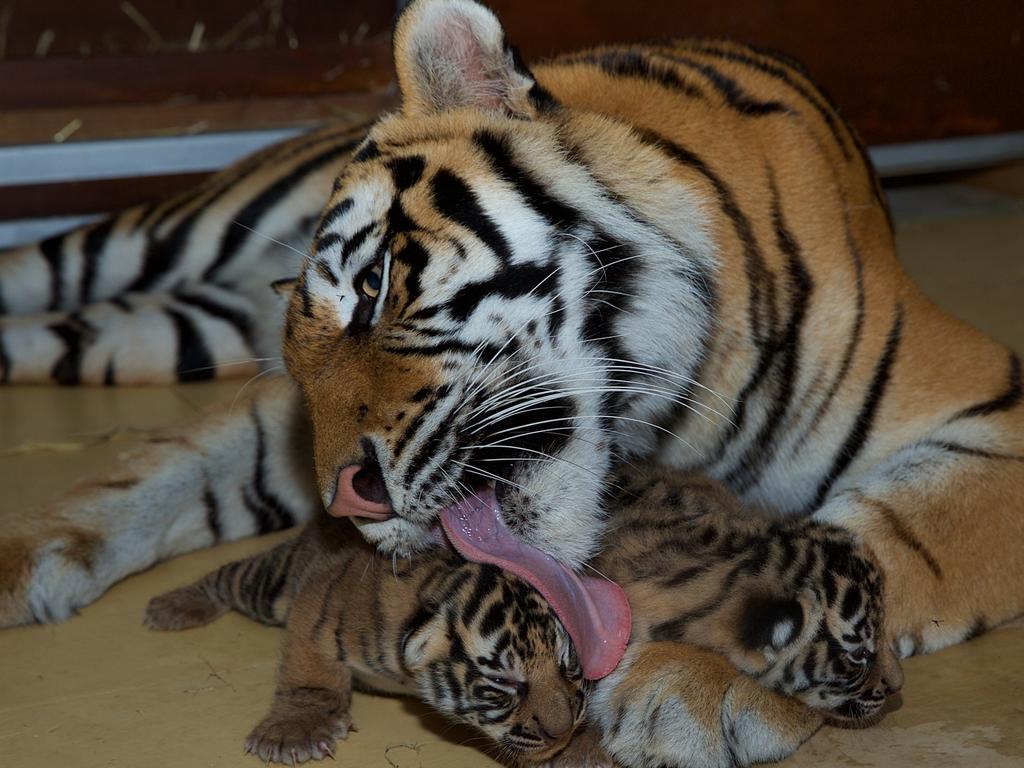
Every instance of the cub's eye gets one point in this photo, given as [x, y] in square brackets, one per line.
[372, 280]
[860, 656]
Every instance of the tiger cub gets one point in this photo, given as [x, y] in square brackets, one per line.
[475, 643]
[793, 603]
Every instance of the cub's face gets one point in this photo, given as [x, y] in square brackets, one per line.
[494, 655]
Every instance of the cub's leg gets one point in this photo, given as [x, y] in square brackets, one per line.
[669, 704]
[259, 587]
[241, 472]
[945, 519]
[311, 702]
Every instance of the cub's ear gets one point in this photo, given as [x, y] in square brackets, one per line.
[451, 54]
[425, 639]
[284, 287]
[767, 621]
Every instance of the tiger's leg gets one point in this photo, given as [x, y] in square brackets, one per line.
[311, 702]
[243, 471]
[259, 587]
[945, 520]
[669, 704]
[193, 334]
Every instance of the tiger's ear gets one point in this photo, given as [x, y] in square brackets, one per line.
[770, 622]
[284, 287]
[426, 639]
[451, 54]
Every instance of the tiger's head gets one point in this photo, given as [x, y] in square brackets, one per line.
[461, 316]
[826, 645]
[487, 650]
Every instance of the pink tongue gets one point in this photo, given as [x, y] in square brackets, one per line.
[595, 612]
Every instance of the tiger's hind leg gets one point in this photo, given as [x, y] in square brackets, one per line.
[669, 704]
[193, 334]
[233, 234]
[243, 471]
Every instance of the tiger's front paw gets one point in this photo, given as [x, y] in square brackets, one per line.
[296, 735]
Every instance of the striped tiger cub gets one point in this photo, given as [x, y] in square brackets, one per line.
[793, 605]
[476, 644]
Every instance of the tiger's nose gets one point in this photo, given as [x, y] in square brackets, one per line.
[361, 493]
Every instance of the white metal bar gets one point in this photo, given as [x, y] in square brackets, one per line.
[918, 157]
[125, 158]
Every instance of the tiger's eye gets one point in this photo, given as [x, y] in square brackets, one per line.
[860, 655]
[372, 282]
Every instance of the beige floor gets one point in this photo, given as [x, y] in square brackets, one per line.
[101, 691]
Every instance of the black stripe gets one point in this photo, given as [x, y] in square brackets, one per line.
[324, 270]
[486, 581]
[414, 425]
[415, 258]
[429, 449]
[325, 243]
[861, 429]
[439, 348]
[331, 216]
[52, 249]
[457, 202]
[825, 110]
[212, 507]
[5, 361]
[357, 239]
[629, 63]
[237, 318]
[510, 283]
[248, 219]
[750, 467]
[279, 511]
[369, 151]
[759, 277]
[499, 153]
[734, 95]
[966, 450]
[95, 240]
[74, 334]
[851, 346]
[110, 374]
[1010, 399]
[406, 171]
[194, 362]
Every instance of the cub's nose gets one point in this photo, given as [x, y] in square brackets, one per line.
[361, 493]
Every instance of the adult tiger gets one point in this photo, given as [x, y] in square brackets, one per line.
[676, 251]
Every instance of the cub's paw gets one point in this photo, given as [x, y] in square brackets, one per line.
[584, 751]
[181, 609]
[296, 736]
